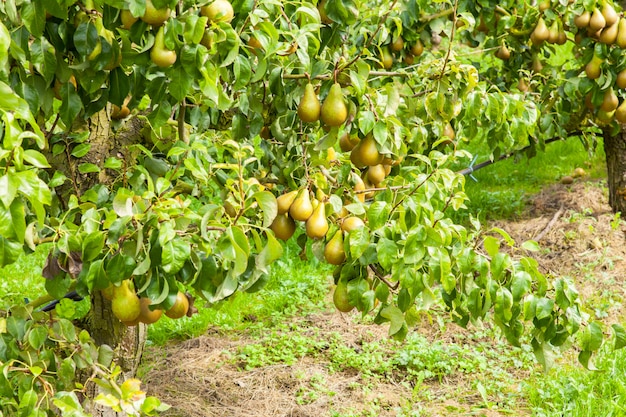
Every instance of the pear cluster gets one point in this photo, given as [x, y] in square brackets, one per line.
[333, 112]
[131, 309]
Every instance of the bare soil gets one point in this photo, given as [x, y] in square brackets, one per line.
[580, 238]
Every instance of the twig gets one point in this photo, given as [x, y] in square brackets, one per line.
[550, 224]
[380, 276]
[452, 32]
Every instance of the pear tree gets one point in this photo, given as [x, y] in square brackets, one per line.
[165, 152]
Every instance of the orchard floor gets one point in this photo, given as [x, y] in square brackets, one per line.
[337, 364]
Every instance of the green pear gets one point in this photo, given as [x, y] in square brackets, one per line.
[582, 20]
[125, 303]
[154, 16]
[597, 21]
[283, 226]
[317, 225]
[340, 297]
[159, 54]
[285, 201]
[301, 208]
[621, 33]
[365, 153]
[309, 108]
[334, 253]
[334, 111]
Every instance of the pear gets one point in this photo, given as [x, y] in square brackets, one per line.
[398, 44]
[347, 142]
[610, 101]
[340, 297]
[301, 208]
[544, 5]
[609, 34]
[592, 69]
[218, 11]
[409, 59]
[589, 102]
[359, 187]
[418, 48]
[386, 59]
[605, 117]
[283, 226]
[620, 113]
[609, 14]
[317, 225]
[376, 174]
[180, 307]
[351, 223]
[334, 110]
[582, 20]
[503, 52]
[154, 16]
[537, 65]
[448, 131]
[159, 54]
[621, 33]
[334, 253]
[107, 292]
[620, 81]
[553, 32]
[284, 201]
[146, 315]
[128, 20]
[597, 21]
[365, 153]
[540, 33]
[309, 108]
[125, 303]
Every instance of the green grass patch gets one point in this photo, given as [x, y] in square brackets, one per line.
[501, 190]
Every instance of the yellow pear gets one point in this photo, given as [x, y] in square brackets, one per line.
[159, 54]
[283, 226]
[347, 142]
[180, 307]
[609, 14]
[540, 33]
[376, 174]
[146, 315]
[620, 81]
[316, 225]
[386, 59]
[284, 201]
[359, 187]
[334, 110]
[582, 20]
[620, 113]
[605, 117]
[301, 208]
[218, 11]
[309, 108]
[609, 34]
[597, 21]
[610, 101]
[128, 20]
[154, 16]
[334, 253]
[398, 44]
[621, 33]
[592, 69]
[340, 297]
[418, 48]
[365, 153]
[125, 303]
[351, 223]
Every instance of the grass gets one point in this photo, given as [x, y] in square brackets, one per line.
[500, 190]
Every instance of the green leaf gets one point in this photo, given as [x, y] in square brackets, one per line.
[396, 318]
[8, 189]
[119, 86]
[268, 205]
[9, 251]
[492, 245]
[378, 214]
[544, 308]
[93, 244]
[86, 168]
[71, 104]
[543, 354]
[175, 254]
[272, 251]
[531, 245]
[620, 336]
[34, 17]
[37, 336]
[36, 159]
[591, 338]
[81, 150]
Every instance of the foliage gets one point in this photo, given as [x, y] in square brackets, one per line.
[149, 142]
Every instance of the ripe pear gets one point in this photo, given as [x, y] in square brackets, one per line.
[334, 253]
[553, 36]
[418, 48]
[359, 187]
[597, 21]
[309, 108]
[347, 142]
[609, 14]
[582, 20]
[340, 297]
[283, 226]
[621, 33]
[592, 69]
[398, 44]
[376, 174]
[605, 117]
[365, 153]
[351, 223]
[301, 208]
[146, 315]
[128, 20]
[609, 34]
[125, 303]
[610, 101]
[334, 111]
[620, 113]
[284, 201]
[448, 131]
[317, 225]
[218, 11]
[386, 59]
[540, 33]
[503, 52]
[620, 81]
[154, 16]
[180, 307]
[159, 54]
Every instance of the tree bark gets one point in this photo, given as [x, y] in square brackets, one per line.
[615, 149]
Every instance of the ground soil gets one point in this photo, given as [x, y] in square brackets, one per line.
[579, 238]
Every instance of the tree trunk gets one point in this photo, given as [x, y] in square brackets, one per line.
[615, 149]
